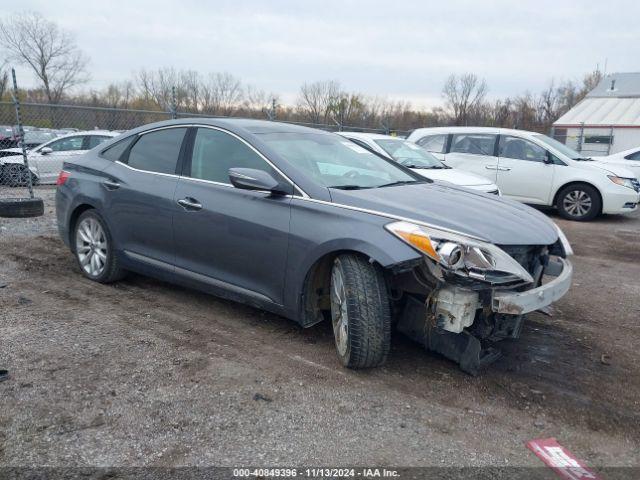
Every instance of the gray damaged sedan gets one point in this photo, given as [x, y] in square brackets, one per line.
[313, 227]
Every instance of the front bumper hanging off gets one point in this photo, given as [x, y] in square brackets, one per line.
[501, 317]
[519, 303]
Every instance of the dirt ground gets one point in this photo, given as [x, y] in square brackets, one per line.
[145, 373]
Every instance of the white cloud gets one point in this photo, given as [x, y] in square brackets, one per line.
[395, 49]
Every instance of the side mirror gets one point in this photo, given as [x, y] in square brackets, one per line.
[253, 179]
[46, 151]
[548, 159]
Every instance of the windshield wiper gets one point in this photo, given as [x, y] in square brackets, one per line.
[400, 182]
[348, 187]
[584, 159]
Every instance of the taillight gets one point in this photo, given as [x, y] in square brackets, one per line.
[62, 177]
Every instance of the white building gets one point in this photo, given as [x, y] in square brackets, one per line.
[607, 120]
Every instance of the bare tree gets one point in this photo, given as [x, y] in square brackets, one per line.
[464, 93]
[222, 94]
[4, 78]
[156, 86]
[315, 99]
[50, 52]
[118, 95]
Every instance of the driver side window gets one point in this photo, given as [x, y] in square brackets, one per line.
[215, 152]
[521, 149]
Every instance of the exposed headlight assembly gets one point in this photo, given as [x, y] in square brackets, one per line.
[564, 242]
[462, 255]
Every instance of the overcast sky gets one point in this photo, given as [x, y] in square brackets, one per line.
[393, 49]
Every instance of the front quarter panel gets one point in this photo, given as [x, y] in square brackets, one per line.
[320, 228]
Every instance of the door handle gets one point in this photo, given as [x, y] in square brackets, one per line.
[504, 169]
[189, 203]
[491, 167]
[110, 185]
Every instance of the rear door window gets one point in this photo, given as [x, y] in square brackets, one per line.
[157, 151]
[474, 143]
[95, 140]
[115, 151]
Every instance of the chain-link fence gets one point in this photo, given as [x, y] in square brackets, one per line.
[54, 133]
[589, 141]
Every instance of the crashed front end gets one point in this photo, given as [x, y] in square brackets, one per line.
[468, 293]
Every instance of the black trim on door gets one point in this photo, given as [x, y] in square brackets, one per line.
[183, 167]
[496, 147]
[447, 147]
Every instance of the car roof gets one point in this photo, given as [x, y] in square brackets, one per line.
[107, 133]
[248, 126]
[491, 130]
[627, 152]
[372, 136]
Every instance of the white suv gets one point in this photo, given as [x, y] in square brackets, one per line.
[535, 169]
[419, 160]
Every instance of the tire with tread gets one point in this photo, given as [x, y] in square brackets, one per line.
[586, 189]
[368, 312]
[21, 207]
[112, 272]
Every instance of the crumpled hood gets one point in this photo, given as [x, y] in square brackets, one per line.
[453, 175]
[495, 219]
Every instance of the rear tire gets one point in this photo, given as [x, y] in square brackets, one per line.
[360, 312]
[93, 248]
[579, 202]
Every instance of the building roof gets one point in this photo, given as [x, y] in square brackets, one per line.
[614, 102]
[617, 85]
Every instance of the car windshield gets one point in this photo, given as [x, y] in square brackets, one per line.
[336, 162]
[561, 147]
[408, 154]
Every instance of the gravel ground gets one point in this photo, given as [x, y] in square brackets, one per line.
[142, 373]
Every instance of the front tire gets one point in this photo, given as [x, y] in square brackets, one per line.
[93, 248]
[580, 202]
[360, 312]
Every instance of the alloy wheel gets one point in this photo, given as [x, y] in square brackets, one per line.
[577, 203]
[339, 315]
[91, 246]
[16, 175]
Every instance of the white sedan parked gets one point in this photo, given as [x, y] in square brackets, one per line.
[45, 161]
[535, 169]
[419, 160]
[628, 159]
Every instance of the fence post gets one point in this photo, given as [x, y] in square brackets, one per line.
[610, 140]
[16, 103]
[580, 138]
[385, 126]
[174, 107]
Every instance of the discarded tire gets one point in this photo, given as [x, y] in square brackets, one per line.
[21, 207]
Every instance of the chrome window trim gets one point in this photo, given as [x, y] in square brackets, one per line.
[146, 171]
[212, 127]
